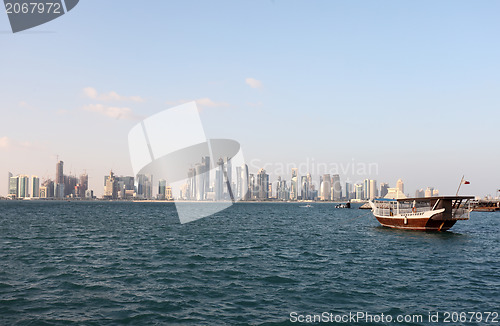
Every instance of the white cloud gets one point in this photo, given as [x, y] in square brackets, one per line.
[92, 93]
[254, 83]
[4, 142]
[26, 105]
[206, 102]
[7, 143]
[111, 111]
[202, 103]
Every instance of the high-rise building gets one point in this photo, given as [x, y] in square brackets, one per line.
[400, 186]
[384, 188]
[8, 182]
[325, 187]
[205, 161]
[252, 185]
[162, 189]
[262, 184]
[23, 186]
[200, 181]
[49, 189]
[348, 191]
[168, 193]
[35, 186]
[13, 186]
[429, 192]
[359, 191]
[191, 183]
[420, 193]
[242, 182]
[60, 172]
[373, 189]
[294, 184]
[144, 186]
[336, 187]
[83, 185]
[366, 189]
[111, 188]
[59, 190]
[127, 181]
[229, 173]
[238, 182]
[282, 192]
[70, 183]
[43, 192]
[219, 180]
[304, 188]
[310, 194]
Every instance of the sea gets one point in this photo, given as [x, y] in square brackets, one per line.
[126, 263]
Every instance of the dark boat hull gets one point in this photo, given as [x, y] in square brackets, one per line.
[417, 224]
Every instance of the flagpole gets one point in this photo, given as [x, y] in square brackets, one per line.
[461, 181]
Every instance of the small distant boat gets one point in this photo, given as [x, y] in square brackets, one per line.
[306, 206]
[485, 206]
[423, 214]
[346, 205]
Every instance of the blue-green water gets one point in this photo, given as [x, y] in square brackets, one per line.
[132, 263]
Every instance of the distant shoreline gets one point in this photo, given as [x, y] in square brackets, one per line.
[176, 201]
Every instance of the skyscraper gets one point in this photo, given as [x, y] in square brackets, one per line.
[252, 186]
[366, 189]
[373, 189]
[60, 172]
[35, 186]
[144, 186]
[191, 183]
[348, 190]
[13, 186]
[8, 183]
[23, 186]
[238, 182]
[229, 173]
[111, 188]
[400, 186]
[325, 187]
[168, 193]
[263, 184]
[310, 193]
[384, 188]
[59, 183]
[336, 187]
[205, 161]
[420, 193]
[358, 189]
[84, 185]
[219, 180]
[294, 184]
[162, 189]
[200, 181]
[304, 188]
[48, 186]
[245, 193]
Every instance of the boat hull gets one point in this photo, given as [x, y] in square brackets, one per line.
[417, 224]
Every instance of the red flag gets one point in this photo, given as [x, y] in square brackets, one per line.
[465, 182]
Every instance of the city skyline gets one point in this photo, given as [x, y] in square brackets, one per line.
[243, 186]
[350, 82]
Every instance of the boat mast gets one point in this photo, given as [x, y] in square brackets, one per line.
[461, 181]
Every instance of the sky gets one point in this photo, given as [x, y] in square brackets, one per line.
[409, 87]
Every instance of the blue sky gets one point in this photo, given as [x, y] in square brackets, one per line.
[410, 86]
